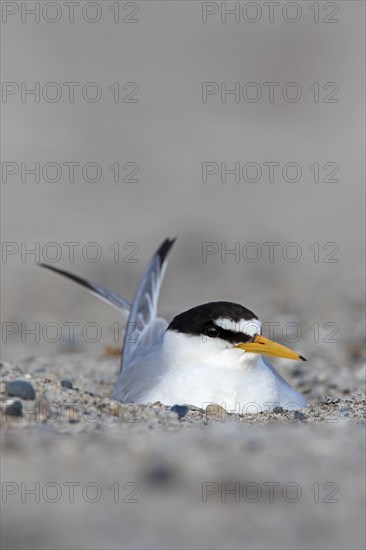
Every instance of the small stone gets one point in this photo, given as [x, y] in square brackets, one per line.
[329, 400]
[299, 415]
[159, 474]
[297, 371]
[39, 370]
[15, 408]
[194, 408]
[181, 410]
[20, 388]
[214, 410]
[326, 400]
[277, 409]
[67, 384]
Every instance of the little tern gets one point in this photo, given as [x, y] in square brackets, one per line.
[212, 353]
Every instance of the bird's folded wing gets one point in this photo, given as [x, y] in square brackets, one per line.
[144, 328]
[97, 290]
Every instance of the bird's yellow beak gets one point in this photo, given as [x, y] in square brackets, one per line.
[264, 346]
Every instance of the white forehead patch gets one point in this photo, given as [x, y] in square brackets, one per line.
[251, 327]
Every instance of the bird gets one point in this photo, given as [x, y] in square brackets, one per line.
[210, 354]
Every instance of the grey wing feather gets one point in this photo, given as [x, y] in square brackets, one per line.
[289, 394]
[274, 372]
[144, 328]
[97, 290]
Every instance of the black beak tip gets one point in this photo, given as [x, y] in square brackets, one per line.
[302, 358]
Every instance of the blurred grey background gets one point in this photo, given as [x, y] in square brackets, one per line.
[169, 52]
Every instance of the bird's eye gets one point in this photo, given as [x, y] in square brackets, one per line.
[212, 332]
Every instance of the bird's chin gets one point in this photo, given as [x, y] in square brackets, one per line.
[248, 359]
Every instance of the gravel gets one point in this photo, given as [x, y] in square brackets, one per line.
[154, 476]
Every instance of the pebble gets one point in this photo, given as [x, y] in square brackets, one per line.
[299, 415]
[15, 408]
[329, 400]
[277, 409]
[194, 408]
[159, 474]
[297, 371]
[214, 410]
[67, 384]
[181, 410]
[20, 388]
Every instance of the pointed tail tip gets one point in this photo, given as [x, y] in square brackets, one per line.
[164, 249]
[51, 267]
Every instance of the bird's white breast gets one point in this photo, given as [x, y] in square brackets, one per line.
[198, 370]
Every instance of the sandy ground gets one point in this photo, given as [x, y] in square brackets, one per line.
[125, 476]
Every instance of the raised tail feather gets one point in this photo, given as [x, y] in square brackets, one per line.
[97, 290]
[143, 314]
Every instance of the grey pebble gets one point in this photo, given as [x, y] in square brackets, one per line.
[181, 410]
[297, 371]
[158, 474]
[14, 409]
[277, 409]
[299, 415]
[194, 408]
[67, 384]
[20, 388]
[329, 400]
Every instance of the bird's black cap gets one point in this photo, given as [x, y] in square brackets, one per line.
[200, 320]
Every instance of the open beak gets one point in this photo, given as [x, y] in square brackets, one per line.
[264, 346]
